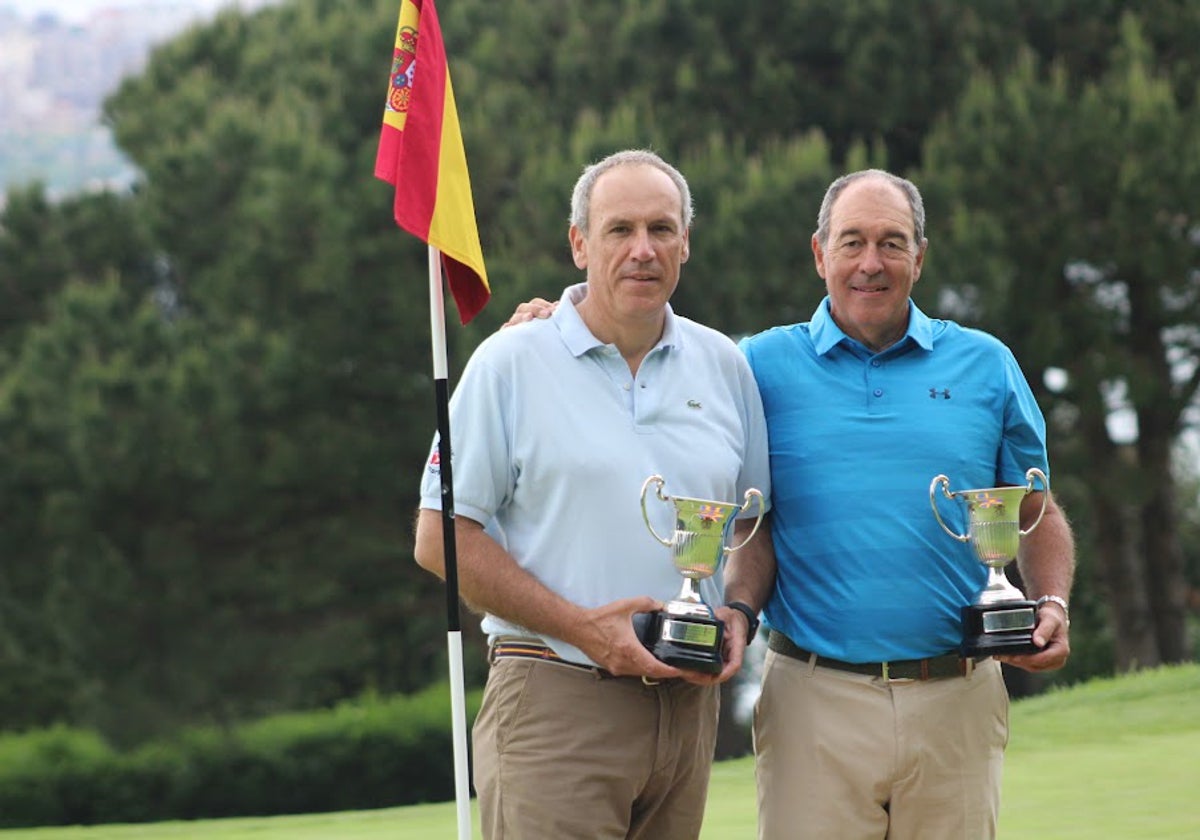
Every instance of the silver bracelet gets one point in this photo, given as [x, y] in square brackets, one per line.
[1054, 599]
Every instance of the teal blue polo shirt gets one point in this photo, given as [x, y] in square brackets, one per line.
[865, 573]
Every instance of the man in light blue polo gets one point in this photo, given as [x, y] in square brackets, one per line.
[557, 425]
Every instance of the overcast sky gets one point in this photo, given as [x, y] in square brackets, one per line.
[77, 10]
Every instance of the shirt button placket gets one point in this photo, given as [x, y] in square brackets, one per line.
[874, 369]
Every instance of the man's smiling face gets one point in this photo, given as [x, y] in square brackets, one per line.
[870, 261]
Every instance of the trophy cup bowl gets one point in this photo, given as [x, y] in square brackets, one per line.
[687, 634]
[1001, 619]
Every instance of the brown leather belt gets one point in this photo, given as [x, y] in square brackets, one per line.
[522, 649]
[504, 649]
[946, 665]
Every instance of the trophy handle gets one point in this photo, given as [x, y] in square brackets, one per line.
[654, 479]
[1030, 474]
[752, 493]
[945, 484]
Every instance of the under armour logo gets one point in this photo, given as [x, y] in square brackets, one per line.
[933, 393]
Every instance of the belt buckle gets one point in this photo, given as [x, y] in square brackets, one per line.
[886, 674]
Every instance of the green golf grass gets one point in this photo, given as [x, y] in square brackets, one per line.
[1113, 758]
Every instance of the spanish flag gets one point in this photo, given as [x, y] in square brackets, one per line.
[421, 154]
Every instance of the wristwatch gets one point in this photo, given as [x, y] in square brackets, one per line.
[751, 618]
[1054, 599]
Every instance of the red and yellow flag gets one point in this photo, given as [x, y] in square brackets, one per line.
[421, 154]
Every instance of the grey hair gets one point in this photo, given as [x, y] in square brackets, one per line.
[581, 196]
[903, 184]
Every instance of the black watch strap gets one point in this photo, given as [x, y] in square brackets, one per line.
[751, 618]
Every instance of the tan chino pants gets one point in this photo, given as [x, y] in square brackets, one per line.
[565, 753]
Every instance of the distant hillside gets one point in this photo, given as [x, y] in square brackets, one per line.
[64, 163]
[54, 76]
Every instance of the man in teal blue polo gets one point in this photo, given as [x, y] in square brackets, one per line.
[870, 724]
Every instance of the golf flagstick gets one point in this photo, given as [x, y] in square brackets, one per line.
[421, 155]
[454, 650]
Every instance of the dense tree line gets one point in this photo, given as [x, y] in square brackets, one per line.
[215, 399]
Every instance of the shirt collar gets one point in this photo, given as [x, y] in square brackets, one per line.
[826, 334]
[579, 338]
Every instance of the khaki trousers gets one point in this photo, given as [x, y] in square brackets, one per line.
[562, 753]
[851, 757]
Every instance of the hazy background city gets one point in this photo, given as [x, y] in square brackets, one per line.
[58, 60]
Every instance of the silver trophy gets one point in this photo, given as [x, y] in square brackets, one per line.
[687, 634]
[1001, 620]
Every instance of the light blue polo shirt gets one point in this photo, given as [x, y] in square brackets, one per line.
[865, 573]
[553, 438]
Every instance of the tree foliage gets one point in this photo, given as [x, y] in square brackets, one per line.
[1074, 214]
[215, 401]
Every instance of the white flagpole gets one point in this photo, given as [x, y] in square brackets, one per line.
[458, 704]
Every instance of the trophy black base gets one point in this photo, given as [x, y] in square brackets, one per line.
[999, 629]
[689, 642]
